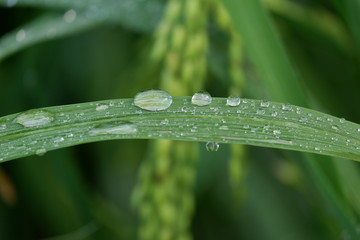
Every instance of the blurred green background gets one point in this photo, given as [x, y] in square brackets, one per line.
[298, 51]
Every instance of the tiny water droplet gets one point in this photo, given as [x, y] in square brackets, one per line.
[164, 122]
[101, 107]
[34, 118]
[277, 133]
[117, 127]
[70, 16]
[153, 100]
[342, 120]
[212, 146]
[334, 139]
[40, 152]
[201, 98]
[286, 107]
[274, 114]
[58, 140]
[335, 127]
[358, 129]
[20, 35]
[2, 126]
[264, 104]
[260, 112]
[317, 149]
[233, 101]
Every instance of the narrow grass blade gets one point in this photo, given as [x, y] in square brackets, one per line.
[44, 28]
[253, 122]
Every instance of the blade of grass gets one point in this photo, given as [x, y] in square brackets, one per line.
[44, 28]
[276, 125]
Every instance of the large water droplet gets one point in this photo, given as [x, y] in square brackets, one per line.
[212, 146]
[153, 100]
[117, 127]
[34, 118]
[233, 101]
[201, 98]
[70, 16]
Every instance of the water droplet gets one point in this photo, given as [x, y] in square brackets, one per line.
[20, 35]
[260, 112]
[232, 101]
[286, 107]
[317, 149]
[40, 152]
[117, 127]
[342, 120]
[70, 16]
[165, 122]
[34, 118]
[2, 126]
[101, 107]
[335, 127]
[10, 3]
[153, 100]
[334, 139]
[274, 114]
[358, 129]
[277, 133]
[212, 146]
[201, 98]
[264, 104]
[58, 140]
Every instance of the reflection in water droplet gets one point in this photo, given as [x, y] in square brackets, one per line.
[101, 107]
[70, 16]
[20, 35]
[232, 101]
[153, 100]
[117, 127]
[212, 146]
[201, 98]
[34, 118]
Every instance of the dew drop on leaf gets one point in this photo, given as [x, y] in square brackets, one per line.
[286, 107]
[101, 107]
[40, 152]
[201, 98]
[212, 146]
[264, 104]
[153, 100]
[232, 101]
[34, 118]
[70, 16]
[114, 128]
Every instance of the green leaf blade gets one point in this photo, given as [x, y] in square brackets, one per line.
[249, 123]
